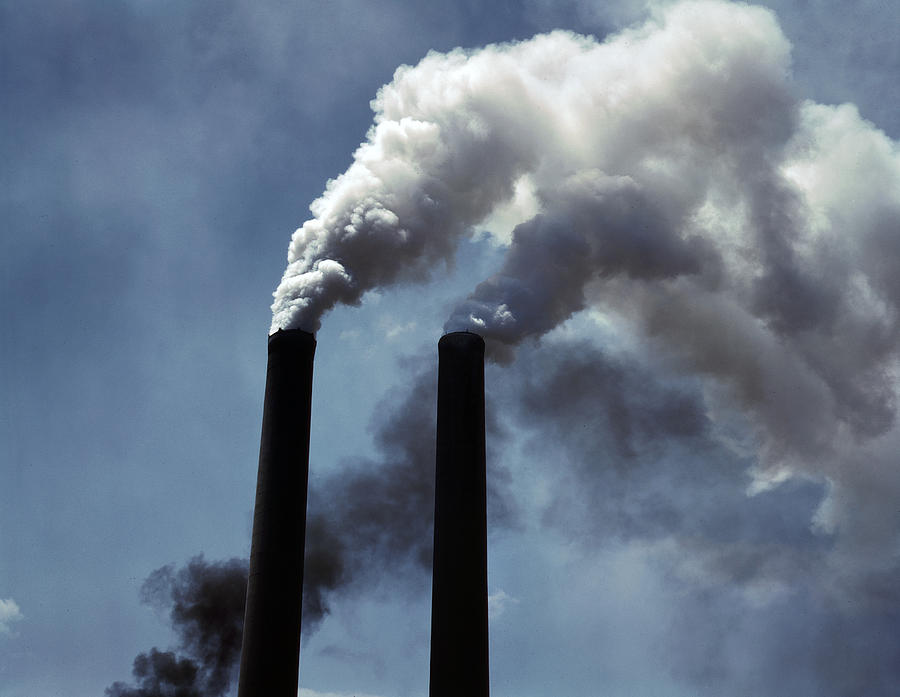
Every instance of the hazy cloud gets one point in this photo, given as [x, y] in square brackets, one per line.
[9, 613]
[498, 602]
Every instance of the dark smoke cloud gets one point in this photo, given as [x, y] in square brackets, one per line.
[642, 458]
[762, 601]
[802, 644]
[374, 518]
[587, 397]
[626, 438]
[368, 522]
[160, 674]
[205, 604]
[598, 226]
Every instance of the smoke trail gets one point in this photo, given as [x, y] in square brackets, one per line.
[205, 601]
[455, 135]
[762, 602]
[374, 517]
[377, 512]
[671, 161]
[679, 187]
[370, 520]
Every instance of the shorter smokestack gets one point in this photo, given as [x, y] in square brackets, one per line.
[459, 609]
[270, 651]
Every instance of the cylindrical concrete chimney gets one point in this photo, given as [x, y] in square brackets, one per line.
[459, 611]
[270, 652]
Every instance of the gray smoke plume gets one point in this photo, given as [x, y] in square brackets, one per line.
[370, 521]
[460, 135]
[668, 181]
[762, 602]
[205, 603]
[668, 187]
[375, 513]
[374, 517]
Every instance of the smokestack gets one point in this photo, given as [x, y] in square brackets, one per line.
[459, 609]
[270, 652]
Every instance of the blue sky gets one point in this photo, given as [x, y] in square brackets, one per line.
[658, 528]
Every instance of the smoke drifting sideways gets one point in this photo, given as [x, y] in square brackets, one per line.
[375, 513]
[368, 522]
[373, 518]
[670, 179]
[205, 602]
[670, 182]
[752, 598]
[619, 142]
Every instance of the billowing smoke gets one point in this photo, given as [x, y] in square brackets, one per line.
[625, 454]
[671, 195]
[675, 179]
[667, 178]
[619, 143]
[370, 521]
[669, 189]
[373, 518]
[376, 513]
[205, 603]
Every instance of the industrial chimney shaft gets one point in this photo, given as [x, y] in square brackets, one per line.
[459, 609]
[271, 640]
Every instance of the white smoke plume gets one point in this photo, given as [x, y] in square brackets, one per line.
[677, 182]
[626, 129]
[669, 178]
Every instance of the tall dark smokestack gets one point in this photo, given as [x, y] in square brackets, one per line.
[271, 643]
[459, 609]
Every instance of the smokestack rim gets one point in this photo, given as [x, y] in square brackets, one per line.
[462, 341]
[291, 337]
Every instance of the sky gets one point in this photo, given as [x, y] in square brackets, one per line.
[676, 225]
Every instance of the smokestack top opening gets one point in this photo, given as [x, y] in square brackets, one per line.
[292, 337]
[464, 341]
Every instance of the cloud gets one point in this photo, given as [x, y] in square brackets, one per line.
[9, 613]
[498, 603]
[305, 692]
[393, 329]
